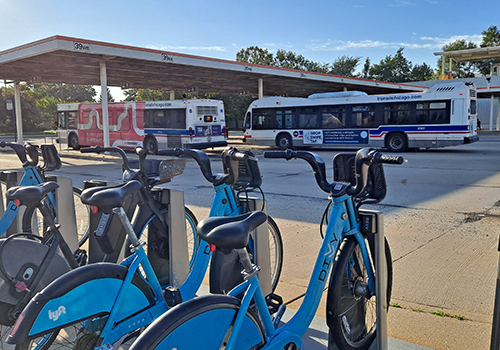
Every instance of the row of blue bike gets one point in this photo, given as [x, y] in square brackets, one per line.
[87, 300]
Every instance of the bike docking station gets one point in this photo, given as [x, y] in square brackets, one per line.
[260, 237]
[372, 224]
[166, 242]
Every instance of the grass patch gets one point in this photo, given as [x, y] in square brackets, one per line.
[395, 305]
[416, 309]
[445, 314]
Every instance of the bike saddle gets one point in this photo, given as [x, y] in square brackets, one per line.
[230, 232]
[108, 198]
[219, 179]
[30, 195]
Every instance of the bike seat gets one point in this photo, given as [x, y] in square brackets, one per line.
[230, 232]
[31, 195]
[109, 197]
[219, 179]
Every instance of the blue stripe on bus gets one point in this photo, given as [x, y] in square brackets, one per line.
[166, 132]
[432, 128]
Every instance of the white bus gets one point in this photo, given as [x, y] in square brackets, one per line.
[444, 115]
[151, 124]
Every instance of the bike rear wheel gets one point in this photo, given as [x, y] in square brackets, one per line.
[211, 317]
[351, 312]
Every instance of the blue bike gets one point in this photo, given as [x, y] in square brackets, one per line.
[215, 322]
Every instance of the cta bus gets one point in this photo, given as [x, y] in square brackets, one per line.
[152, 124]
[444, 115]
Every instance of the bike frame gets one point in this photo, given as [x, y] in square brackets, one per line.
[30, 177]
[342, 223]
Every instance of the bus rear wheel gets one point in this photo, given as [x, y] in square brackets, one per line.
[284, 141]
[151, 145]
[396, 142]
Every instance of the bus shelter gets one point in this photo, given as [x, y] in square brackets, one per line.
[60, 59]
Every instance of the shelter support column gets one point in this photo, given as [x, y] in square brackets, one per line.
[443, 58]
[104, 103]
[261, 87]
[19, 119]
[492, 99]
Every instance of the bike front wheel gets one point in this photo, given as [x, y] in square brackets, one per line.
[211, 317]
[275, 252]
[351, 309]
[33, 219]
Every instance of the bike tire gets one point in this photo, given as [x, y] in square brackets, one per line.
[211, 317]
[275, 252]
[352, 316]
[82, 215]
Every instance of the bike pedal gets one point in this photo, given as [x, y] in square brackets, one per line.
[80, 257]
[273, 302]
[172, 296]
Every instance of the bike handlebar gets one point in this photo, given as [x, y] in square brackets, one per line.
[199, 156]
[99, 149]
[364, 157]
[21, 152]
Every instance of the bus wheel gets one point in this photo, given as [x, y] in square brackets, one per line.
[396, 142]
[73, 142]
[284, 141]
[151, 145]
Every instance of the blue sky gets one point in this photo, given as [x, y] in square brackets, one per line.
[319, 30]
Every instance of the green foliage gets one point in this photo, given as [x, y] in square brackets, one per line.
[395, 69]
[344, 65]
[491, 37]
[110, 97]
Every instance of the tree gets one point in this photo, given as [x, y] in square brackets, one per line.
[459, 69]
[345, 66]
[395, 69]
[67, 93]
[110, 97]
[491, 38]
[421, 72]
[256, 55]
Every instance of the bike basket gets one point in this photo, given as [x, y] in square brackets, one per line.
[51, 160]
[343, 171]
[243, 173]
[169, 168]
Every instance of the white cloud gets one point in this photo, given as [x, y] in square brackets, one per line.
[424, 43]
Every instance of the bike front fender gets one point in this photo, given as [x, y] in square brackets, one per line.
[88, 291]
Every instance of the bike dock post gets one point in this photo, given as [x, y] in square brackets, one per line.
[179, 265]
[10, 179]
[495, 329]
[261, 241]
[65, 210]
[372, 222]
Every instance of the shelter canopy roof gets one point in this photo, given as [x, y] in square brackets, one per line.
[60, 59]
